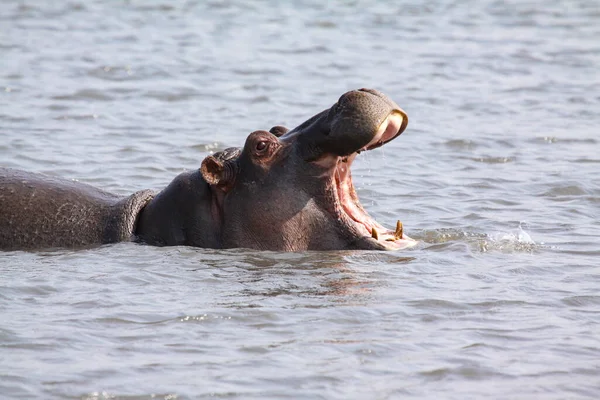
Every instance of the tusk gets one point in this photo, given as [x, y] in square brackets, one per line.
[399, 229]
[374, 234]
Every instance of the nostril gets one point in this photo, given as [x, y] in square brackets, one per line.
[352, 96]
[370, 91]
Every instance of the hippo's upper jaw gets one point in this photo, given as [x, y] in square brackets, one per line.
[293, 191]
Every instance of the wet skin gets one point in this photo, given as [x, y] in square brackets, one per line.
[284, 190]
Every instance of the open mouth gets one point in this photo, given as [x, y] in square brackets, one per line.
[348, 201]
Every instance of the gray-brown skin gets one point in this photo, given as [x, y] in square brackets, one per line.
[282, 191]
[186, 211]
[39, 212]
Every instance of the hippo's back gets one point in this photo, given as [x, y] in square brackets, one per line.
[39, 211]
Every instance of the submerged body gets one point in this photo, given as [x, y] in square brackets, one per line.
[38, 211]
[284, 190]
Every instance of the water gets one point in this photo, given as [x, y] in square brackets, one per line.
[497, 175]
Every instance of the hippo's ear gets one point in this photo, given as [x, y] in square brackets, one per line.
[218, 172]
[279, 130]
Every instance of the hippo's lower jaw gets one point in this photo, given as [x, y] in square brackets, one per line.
[348, 208]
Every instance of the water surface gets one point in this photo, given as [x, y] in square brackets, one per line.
[497, 175]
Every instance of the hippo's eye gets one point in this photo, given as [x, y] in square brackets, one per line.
[261, 146]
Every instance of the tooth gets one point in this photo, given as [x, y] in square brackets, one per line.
[374, 234]
[398, 233]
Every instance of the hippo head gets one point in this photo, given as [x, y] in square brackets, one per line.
[292, 190]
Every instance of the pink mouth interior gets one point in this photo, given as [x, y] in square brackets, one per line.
[347, 195]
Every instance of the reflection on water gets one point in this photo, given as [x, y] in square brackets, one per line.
[496, 175]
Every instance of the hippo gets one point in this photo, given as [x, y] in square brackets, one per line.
[284, 190]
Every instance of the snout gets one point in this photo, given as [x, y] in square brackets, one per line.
[360, 120]
[365, 119]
